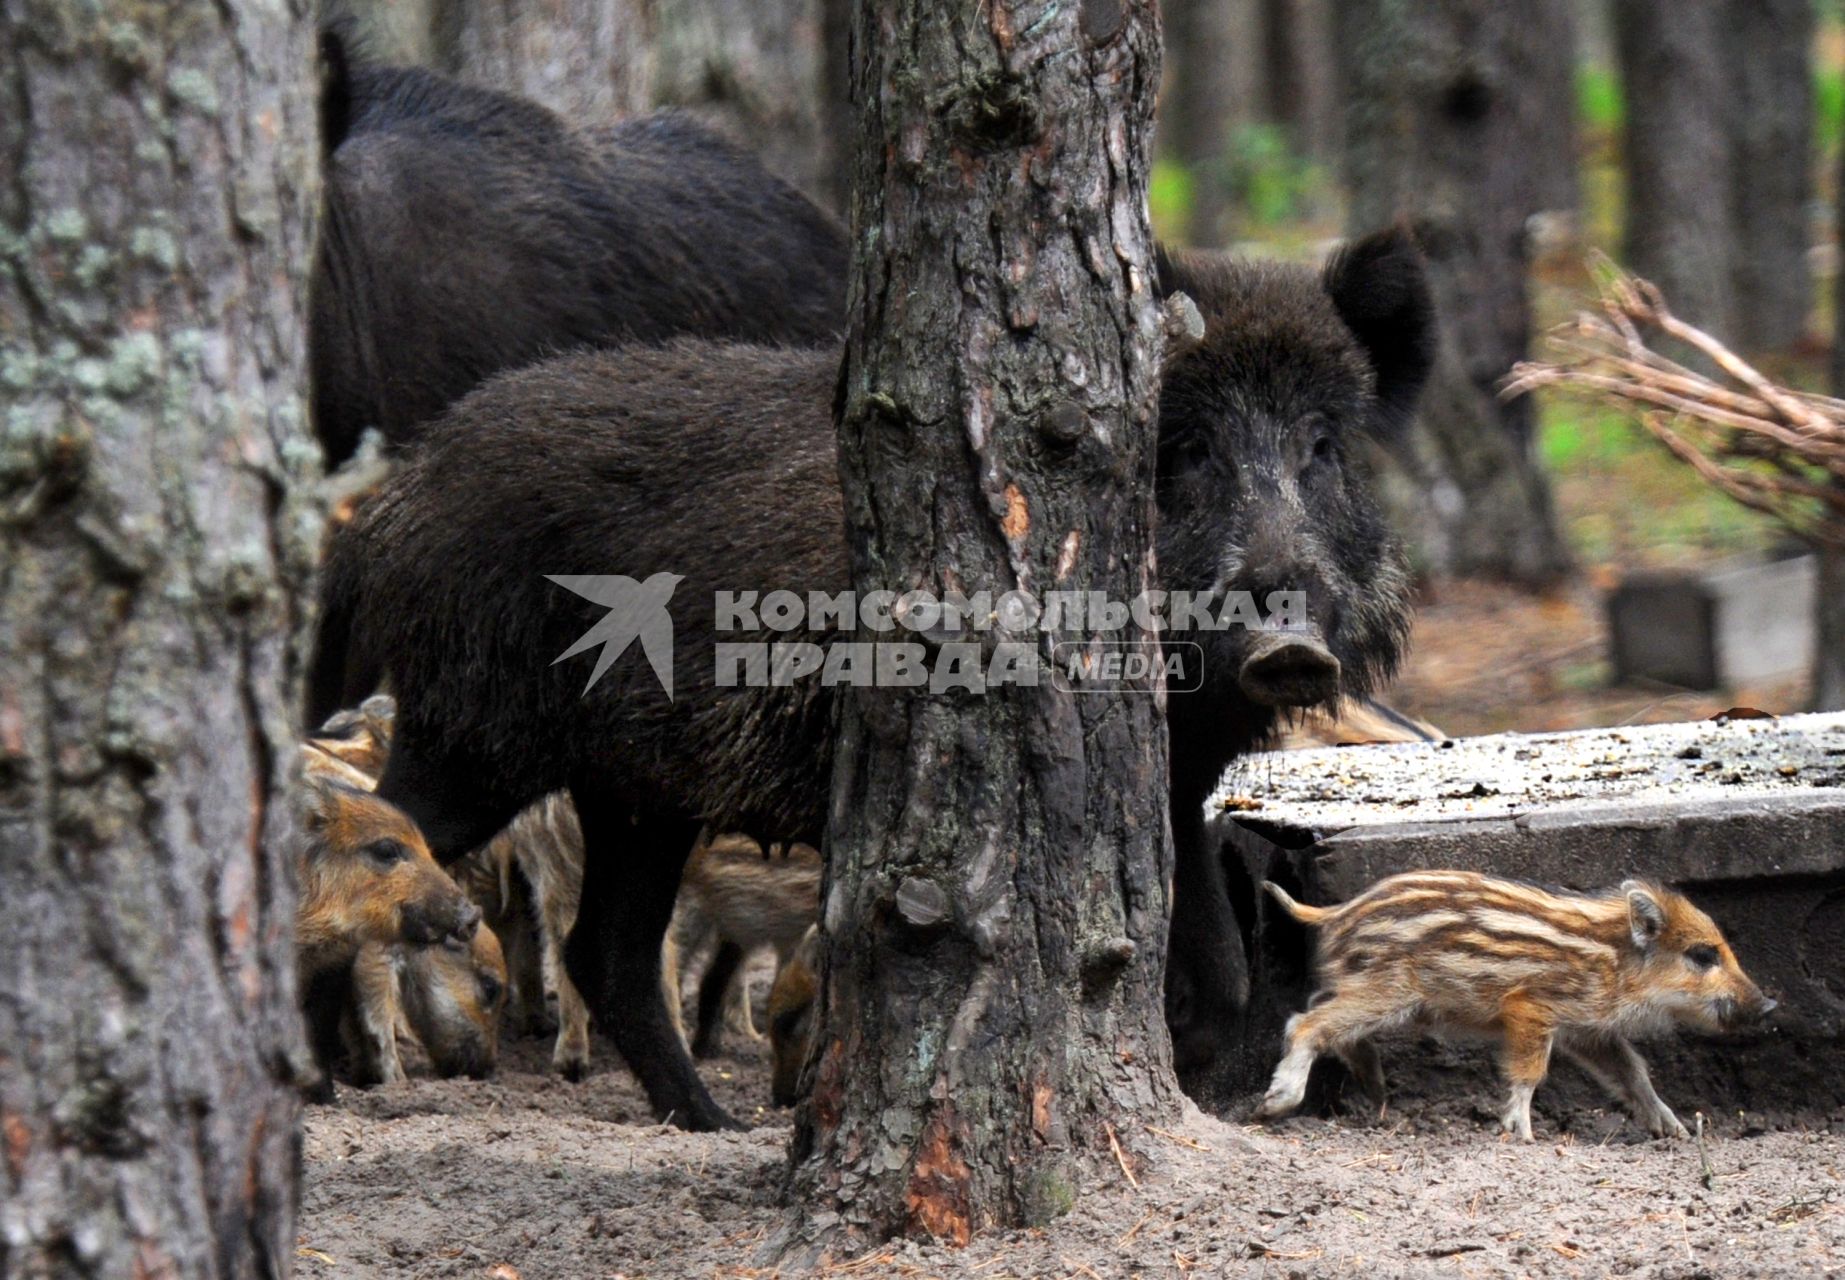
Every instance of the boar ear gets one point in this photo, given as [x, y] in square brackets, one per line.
[1381, 292]
[1645, 917]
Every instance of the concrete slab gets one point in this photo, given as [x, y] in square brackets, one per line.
[1720, 627]
[1746, 816]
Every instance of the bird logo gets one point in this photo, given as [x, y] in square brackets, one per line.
[636, 610]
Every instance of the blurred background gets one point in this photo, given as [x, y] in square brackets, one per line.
[1572, 572]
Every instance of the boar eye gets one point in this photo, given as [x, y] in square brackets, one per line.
[490, 988]
[1703, 955]
[387, 853]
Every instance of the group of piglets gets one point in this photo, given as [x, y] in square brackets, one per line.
[630, 369]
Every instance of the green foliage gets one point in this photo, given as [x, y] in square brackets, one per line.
[1170, 200]
[1270, 181]
[1623, 498]
[1828, 106]
[1600, 104]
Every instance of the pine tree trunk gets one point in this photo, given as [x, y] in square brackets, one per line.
[1674, 56]
[1212, 87]
[838, 121]
[1771, 129]
[1719, 161]
[1302, 81]
[589, 60]
[754, 69]
[157, 185]
[997, 900]
[1448, 107]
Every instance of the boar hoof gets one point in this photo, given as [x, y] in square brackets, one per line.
[574, 1070]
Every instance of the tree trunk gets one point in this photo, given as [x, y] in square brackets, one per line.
[1301, 87]
[1212, 87]
[754, 69]
[588, 60]
[1771, 129]
[1674, 56]
[395, 32]
[157, 187]
[839, 122]
[999, 865]
[1448, 105]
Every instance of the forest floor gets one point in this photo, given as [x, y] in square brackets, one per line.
[526, 1177]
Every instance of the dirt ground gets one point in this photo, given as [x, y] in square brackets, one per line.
[526, 1177]
[1487, 658]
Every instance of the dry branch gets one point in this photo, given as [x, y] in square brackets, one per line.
[1771, 448]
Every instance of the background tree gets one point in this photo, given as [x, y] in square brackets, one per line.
[1300, 81]
[157, 185]
[755, 68]
[1457, 119]
[996, 908]
[591, 60]
[1718, 141]
[1212, 88]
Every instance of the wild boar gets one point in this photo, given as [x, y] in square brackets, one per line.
[1462, 953]
[609, 462]
[448, 998]
[735, 901]
[466, 231]
[366, 878]
[792, 1027]
[366, 874]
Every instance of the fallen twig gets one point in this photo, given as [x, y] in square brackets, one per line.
[1120, 1159]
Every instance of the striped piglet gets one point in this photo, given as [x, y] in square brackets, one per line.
[1459, 953]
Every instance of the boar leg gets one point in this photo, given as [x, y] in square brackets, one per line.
[374, 1018]
[630, 879]
[1525, 1058]
[1360, 1058]
[1613, 1062]
[713, 991]
[1339, 1026]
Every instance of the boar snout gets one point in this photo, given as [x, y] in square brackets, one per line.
[1738, 1012]
[439, 917]
[1289, 669]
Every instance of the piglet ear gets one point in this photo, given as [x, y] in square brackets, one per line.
[1381, 291]
[1646, 919]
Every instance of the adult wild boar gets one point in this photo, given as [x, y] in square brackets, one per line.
[712, 468]
[467, 231]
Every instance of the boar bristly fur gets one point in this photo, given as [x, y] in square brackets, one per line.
[1535, 970]
[467, 231]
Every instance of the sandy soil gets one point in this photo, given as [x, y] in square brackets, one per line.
[526, 1177]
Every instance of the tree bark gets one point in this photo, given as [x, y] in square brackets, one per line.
[999, 866]
[158, 174]
[753, 68]
[588, 60]
[1301, 84]
[1829, 600]
[1719, 160]
[839, 122]
[1771, 134]
[1449, 104]
[1213, 85]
